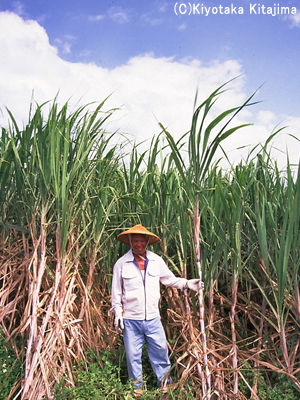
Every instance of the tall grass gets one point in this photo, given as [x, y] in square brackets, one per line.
[66, 191]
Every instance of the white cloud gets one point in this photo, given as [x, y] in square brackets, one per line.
[96, 18]
[163, 6]
[148, 19]
[19, 8]
[115, 14]
[119, 15]
[64, 44]
[85, 53]
[182, 27]
[147, 89]
[295, 19]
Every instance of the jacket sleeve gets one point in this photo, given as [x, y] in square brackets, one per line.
[167, 277]
[116, 290]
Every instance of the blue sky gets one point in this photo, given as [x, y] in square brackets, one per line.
[110, 34]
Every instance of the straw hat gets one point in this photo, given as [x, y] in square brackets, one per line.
[138, 230]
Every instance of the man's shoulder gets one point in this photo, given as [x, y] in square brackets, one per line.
[154, 256]
[125, 257]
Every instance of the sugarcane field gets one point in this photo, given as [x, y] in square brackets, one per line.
[70, 186]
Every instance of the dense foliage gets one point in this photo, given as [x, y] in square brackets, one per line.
[68, 187]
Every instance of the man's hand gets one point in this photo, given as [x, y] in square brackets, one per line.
[118, 323]
[195, 284]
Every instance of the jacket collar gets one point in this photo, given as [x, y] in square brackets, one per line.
[129, 255]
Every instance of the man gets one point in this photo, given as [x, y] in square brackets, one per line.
[135, 301]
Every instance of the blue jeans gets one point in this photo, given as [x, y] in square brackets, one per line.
[135, 333]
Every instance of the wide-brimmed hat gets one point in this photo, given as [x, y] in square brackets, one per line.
[137, 230]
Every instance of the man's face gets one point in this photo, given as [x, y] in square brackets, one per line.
[139, 244]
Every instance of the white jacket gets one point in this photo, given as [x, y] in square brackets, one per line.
[135, 297]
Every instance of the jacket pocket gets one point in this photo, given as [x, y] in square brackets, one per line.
[128, 273]
[131, 281]
[154, 271]
[153, 287]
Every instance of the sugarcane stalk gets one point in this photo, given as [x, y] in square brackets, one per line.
[211, 305]
[284, 347]
[201, 374]
[85, 307]
[39, 340]
[259, 345]
[235, 283]
[34, 308]
[185, 291]
[233, 335]
[201, 301]
[297, 301]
